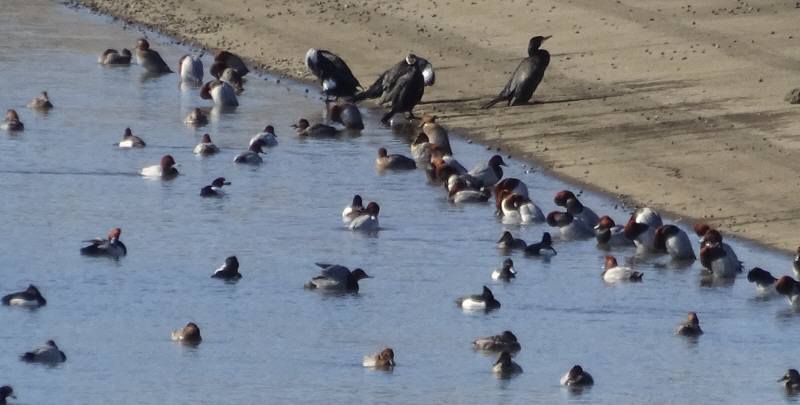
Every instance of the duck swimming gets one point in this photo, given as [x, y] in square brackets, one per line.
[791, 381]
[642, 235]
[346, 114]
[6, 392]
[489, 173]
[112, 57]
[226, 60]
[509, 242]
[353, 210]
[333, 73]
[518, 209]
[11, 121]
[765, 282]
[461, 192]
[215, 188]
[229, 270]
[714, 258]
[568, 200]
[267, 136]
[111, 246]
[691, 327]
[527, 76]
[336, 278]
[251, 156]
[317, 130]
[149, 59]
[710, 236]
[790, 288]
[570, 227]
[189, 334]
[49, 353]
[610, 234]
[506, 272]
[484, 301]
[672, 240]
[41, 103]
[382, 360]
[205, 147]
[196, 118]
[366, 220]
[222, 93]
[577, 377]
[129, 140]
[613, 273]
[385, 161]
[421, 149]
[504, 342]
[31, 297]
[505, 367]
[190, 68]
[541, 248]
[165, 169]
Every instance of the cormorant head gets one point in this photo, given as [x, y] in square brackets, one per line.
[535, 43]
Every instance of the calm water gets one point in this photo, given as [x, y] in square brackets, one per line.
[266, 340]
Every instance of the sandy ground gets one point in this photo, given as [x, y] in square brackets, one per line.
[675, 104]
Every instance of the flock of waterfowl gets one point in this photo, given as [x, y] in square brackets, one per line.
[401, 87]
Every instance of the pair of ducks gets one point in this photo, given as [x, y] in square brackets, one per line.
[357, 218]
[11, 121]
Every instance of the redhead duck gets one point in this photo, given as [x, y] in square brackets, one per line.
[672, 240]
[353, 210]
[12, 122]
[765, 282]
[642, 235]
[484, 301]
[6, 392]
[714, 258]
[31, 297]
[570, 227]
[228, 60]
[222, 93]
[41, 103]
[421, 149]
[608, 233]
[790, 288]
[791, 381]
[190, 68]
[382, 360]
[489, 173]
[614, 273]
[129, 140]
[189, 334]
[505, 367]
[436, 133]
[691, 327]
[196, 118]
[518, 209]
[251, 156]
[336, 278]
[267, 136]
[229, 270]
[215, 188]
[333, 73]
[317, 130]
[541, 248]
[568, 200]
[149, 59]
[504, 342]
[232, 77]
[510, 185]
[648, 216]
[49, 353]
[577, 377]
[506, 272]
[367, 220]
[509, 242]
[385, 161]
[112, 57]
[460, 192]
[111, 246]
[348, 115]
[205, 147]
[165, 169]
[710, 236]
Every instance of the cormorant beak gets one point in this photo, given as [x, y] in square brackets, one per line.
[546, 38]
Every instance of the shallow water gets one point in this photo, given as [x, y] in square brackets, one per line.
[266, 339]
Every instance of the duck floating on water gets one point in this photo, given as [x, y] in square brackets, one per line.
[229, 270]
[129, 140]
[504, 342]
[505, 367]
[691, 327]
[164, 170]
[614, 273]
[577, 377]
[149, 59]
[189, 334]
[41, 103]
[113, 58]
[484, 301]
[337, 278]
[206, 147]
[31, 298]
[215, 188]
[383, 360]
[48, 354]
[111, 246]
[11, 122]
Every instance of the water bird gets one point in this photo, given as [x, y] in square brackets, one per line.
[129, 140]
[42, 102]
[505, 367]
[570, 227]
[189, 334]
[790, 288]
[765, 282]
[389, 78]
[165, 169]
[149, 59]
[461, 191]
[407, 91]
[568, 200]
[518, 209]
[111, 246]
[577, 377]
[6, 392]
[421, 149]
[228, 60]
[710, 236]
[222, 93]
[543, 247]
[366, 220]
[383, 360]
[303, 128]
[11, 122]
[267, 136]
[49, 354]
[791, 381]
[608, 233]
[483, 301]
[506, 272]
[333, 73]
[337, 278]
[436, 133]
[691, 327]
[385, 161]
[526, 76]
[507, 241]
[674, 241]
[206, 147]
[229, 270]
[190, 68]
[489, 172]
[504, 342]
[353, 210]
[215, 188]
[346, 114]
[31, 297]
[196, 118]
[252, 155]
[613, 273]
[112, 57]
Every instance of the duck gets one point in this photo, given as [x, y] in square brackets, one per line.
[385, 161]
[506, 367]
[609, 234]
[205, 147]
[111, 246]
[642, 235]
[796, 263]
[149, 59]
[460, 192]
[190, 68]
[11, 122]
[229, 270]
[6, 392]
[353, 210]
[31, 297]
[791, 381]
[42, 102]
[507, 186]
[577, 377]
[366, 220]
[489, 173]
[383, 359]
[484, 301]
[196, 118]
[570, 227]
[336, 278]
[691, 327]
[673, 240]
[227, 60]
[317, 130]
[348, 115]
[436, 133]
[267, 136]
[507, 241]
[232, 77]
[568, 200]
[712, 236]
[165, 169]
[129, 140]
[333, 73]
[112, 57]
[506, 272]
[714, 258]
[215, 188]
[189, 334]
[222, 93]
[421, 149]
[765, 282]
[790, 288]
[251, 156]
[49, 353]
[541, 248]
[504, 342]
[613, 273]
[518, 209]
